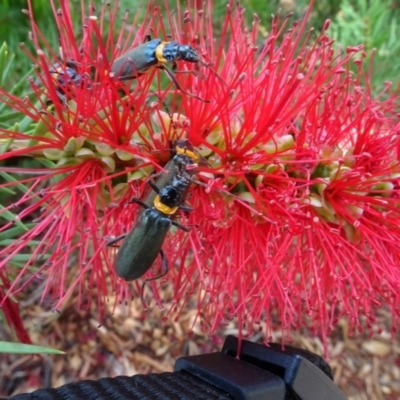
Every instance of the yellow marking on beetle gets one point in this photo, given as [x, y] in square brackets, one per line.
[190, 154]
[159, 53]
[163, 208]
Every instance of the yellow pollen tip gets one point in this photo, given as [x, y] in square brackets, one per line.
[163, 208]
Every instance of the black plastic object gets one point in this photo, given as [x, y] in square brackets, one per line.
[306, 375]
[264, 372]
[239, 378]
[260, 372]
[165, 386]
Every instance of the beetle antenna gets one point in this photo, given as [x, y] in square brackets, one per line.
[209, 65]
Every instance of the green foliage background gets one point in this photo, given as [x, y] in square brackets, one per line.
[374, 23]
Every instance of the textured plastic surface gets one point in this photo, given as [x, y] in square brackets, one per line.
[239, 378]
[166, 386]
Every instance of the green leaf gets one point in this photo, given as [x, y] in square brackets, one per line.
[8, 242]
[25, 257]
[3, 58]
[10, 178]
[40, 130]
[47, 163]
[11, 217]
[9, 115]
[21, 348]
[16, 231]
[6, 190]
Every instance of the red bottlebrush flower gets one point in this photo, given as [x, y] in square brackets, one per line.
[295, 220]
[11, 312]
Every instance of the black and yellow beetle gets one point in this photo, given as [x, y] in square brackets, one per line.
[143, 243]
[64, 76]
[154, 54]
[67, 75]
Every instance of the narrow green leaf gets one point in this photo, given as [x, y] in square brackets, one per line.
[11, 217]
[22, 81]
[21, 348]
[47, 163]
[10, 65]
[10, 178]
[24, 257]
[5, 190]
[8, 143]
[3, 58]
[7, 242]
[13, 232]
[9, 115]
[40, 130]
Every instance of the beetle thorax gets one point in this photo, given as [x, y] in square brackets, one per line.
[188, 53]
[170, 196]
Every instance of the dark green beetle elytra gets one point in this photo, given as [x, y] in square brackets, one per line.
[142, 245]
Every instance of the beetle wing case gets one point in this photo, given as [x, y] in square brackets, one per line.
[136, 61]
[142, 245]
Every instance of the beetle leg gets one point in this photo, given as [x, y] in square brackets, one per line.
[115, 240]
[180, 226]
[147, 38]
[137, 201]
[185, 208]
[164, 262]
[153, 186]
[175, 82]
[191, 71]
[72, 63]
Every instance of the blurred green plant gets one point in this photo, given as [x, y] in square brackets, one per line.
[375, 24]
[16, 84]
[14, 25]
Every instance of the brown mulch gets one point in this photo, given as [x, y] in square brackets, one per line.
[132, 341]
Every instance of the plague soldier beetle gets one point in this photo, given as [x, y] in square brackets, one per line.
[143, 243]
